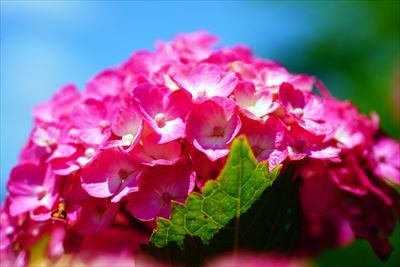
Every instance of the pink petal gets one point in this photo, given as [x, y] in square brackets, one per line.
[226, 86]
[151, 153]
[125, 145]
[346, 179]
[290, 97]
[95, 215]
[24, 178]
[172, 130]
[314, 108]
[102, 177]
[89, 114]
[62, 167]
[93, 136]
[56, 248]
[178, 179]
[274, 75]
[130, 185]
[62, 151]
[316, 128]
[274, 157]
[204, 167]
[145, 204]
[31, 187]
[325, 152]
[127, 121]
[99, 188]
[255, 104]
[157, 187]
[266, 139]
[108, 82]
[302, 82]
[21, 204]
[207, 80]
[386, 160]
[215, 152]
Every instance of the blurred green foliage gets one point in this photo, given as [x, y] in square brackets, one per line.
[356, 54]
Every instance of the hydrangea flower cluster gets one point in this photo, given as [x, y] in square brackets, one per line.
[102, 164]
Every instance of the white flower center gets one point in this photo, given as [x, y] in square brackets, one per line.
[90, 152]
[41, 192]
[128, 137]
[298, 111]
[160, 119]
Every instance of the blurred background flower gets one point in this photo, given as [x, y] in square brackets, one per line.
[352, 46]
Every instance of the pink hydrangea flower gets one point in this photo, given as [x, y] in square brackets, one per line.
[386, 160]
[164, 110]
[205, 168]
[32, 189]
[107, 83]
[254, 103]
[127, 126]
[150, 152]
[158, 187]
[103, 163]
[267, 139]
[94, 215]
[305, 109]
[65, 159]
[112, 173]
[212, 124]
[207, 80]
[91, 122]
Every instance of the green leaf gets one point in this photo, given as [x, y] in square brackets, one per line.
[239, 185]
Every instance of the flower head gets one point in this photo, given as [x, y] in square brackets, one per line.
[103, 163]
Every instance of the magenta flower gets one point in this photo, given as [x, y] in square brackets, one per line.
[164, 110]
[205, 168]
[302, 143]
[305, 109]
[32, 189]
[150, 152]
[101, 179]
[386, 160]
[267, 139]
[212, 124]
[254, 103]
[207, 80]
[94, 215]
[107, 83]
[91, 122]
[64, 159]
[158, 187]
[127, 126]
